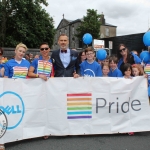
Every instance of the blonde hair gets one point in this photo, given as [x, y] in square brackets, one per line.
[21, 45]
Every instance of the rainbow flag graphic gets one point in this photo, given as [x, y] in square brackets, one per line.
[147, 69]
[20, 72]
[79, 106]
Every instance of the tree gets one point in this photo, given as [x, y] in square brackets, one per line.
[27, 22]
[90, 24]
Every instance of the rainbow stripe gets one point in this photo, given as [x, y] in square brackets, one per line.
[44, 68]
[147, 70]
[20, 72]
[79, 106]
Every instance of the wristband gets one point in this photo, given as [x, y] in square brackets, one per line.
[36, 75]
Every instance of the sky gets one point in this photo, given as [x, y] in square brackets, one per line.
[130, 16]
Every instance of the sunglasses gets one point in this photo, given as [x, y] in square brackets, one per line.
[122, 50]
[42, 49]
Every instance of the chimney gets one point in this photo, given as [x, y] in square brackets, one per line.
[102, 20]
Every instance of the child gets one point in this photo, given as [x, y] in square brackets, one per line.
[127, 75]
[137, 70]
[114, 71]
[127, 71]
[105, 61]
[90, 68]
[105, 70]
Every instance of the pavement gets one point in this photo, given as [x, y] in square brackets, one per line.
[140, 141]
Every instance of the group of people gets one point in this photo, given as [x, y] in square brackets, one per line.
[65, 62]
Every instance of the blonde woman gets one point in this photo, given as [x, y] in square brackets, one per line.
[17, 67]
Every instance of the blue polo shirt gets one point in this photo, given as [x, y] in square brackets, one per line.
[15, 70]
[115, 73]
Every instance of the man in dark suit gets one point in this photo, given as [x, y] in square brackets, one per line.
[65, 60]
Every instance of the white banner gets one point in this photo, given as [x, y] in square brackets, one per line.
[68, 106]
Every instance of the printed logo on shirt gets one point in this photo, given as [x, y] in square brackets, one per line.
[79, 106]
[89, 73]
[20, 72]
[44, 67]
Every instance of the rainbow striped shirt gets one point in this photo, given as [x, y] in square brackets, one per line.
[42, 67]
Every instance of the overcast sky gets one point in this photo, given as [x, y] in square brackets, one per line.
[130, 16]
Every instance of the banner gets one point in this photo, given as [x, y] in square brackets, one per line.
[67, 106]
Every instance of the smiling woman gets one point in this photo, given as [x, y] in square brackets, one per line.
[17, 67]
[42, 67]
[124, 56]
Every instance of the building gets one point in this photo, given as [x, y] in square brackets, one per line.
[69, 28]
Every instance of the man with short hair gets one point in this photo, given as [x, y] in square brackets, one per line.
[65, 60]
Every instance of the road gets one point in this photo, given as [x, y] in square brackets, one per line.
[140, 141]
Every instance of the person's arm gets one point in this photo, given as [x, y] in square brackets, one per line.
[2, 72]
[119, 73]
[6, 70]
[81, 70]
[99, 71]
[32, 74]
[77, 66]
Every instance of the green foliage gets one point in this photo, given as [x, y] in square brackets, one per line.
[90, 24]
[28, 23]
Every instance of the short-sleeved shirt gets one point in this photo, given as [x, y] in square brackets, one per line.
[13, 69]
[1, 66]
[90, 70]
[42, 67]
[115, 73]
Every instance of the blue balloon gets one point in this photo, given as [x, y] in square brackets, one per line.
[146, 38]
[101, 54]
[149, 91]
[144, 56]
[87, 38]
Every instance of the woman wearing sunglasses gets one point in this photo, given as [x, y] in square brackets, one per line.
[42, 67]
[124, 56]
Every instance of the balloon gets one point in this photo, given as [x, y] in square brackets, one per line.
[144, 56]
[149, 91]
[101, 54]
[146, 38]
[87, 38]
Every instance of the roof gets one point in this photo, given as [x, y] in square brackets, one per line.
[107, 24]
[80, 20]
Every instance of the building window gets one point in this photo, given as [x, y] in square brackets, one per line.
[65, 31]
[60, 32]
[73, 30]
[107, 31]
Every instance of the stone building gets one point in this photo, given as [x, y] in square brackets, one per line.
[69, 28]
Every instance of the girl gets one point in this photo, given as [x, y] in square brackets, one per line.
[105, 70]
[127, 71]
[124, 56]
[137, 70]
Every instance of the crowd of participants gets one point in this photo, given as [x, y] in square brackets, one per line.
[66, 62]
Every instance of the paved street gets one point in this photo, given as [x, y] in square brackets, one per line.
[140, 141]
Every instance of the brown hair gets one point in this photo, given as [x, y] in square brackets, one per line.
[1, 51]
[139, 67]
[89, 49]
[63, 34]
[120, 56]
[114, 59]
[107, 65]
